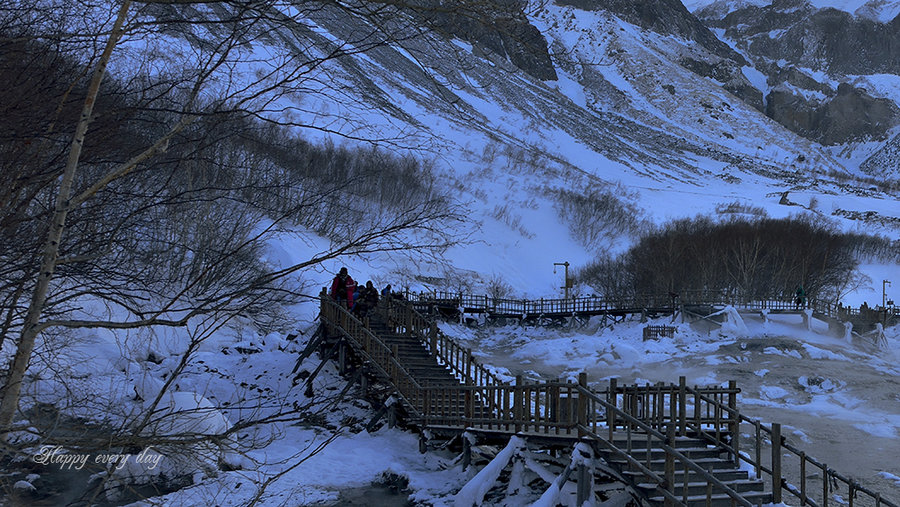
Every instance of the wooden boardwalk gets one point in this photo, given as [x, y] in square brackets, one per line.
[534, 310]
[674, 444]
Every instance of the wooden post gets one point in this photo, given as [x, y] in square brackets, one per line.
[682, 406]
[670, 464]
[735, 422]
[432, 338]
[518, 403]
[802, 478]
[585, 483]
[554, 404]
[611, 399]
[582, 404]
[467, 451]
[409, 318]
[470, 407]
[776, 463]
[392, 413]
[342, 358]
[468, 367]
[395, 373]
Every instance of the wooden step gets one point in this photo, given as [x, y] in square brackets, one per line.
[640, 453]
[658, 465]
[699, 488]
[719, 499]
[722, 474]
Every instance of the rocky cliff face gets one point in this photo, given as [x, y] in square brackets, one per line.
[848, 114]
[788, 38]
[667, 17]
[826, 39]
[886, 161]
[499, 26]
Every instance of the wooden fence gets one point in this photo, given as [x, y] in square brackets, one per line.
[596, 305]
[818, 485]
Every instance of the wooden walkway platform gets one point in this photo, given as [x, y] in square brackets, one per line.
[673, 444]
[448, 304]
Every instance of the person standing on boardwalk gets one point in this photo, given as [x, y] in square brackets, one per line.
[342, 288]
[801, 297]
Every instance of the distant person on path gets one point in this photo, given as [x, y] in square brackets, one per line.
[801, 297]
[386, 291]
[342, 288]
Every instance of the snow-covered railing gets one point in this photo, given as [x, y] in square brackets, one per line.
[382, 357]
[772, 465]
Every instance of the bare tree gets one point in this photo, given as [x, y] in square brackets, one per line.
[87, 210]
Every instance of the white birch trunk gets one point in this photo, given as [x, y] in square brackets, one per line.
[13, 385]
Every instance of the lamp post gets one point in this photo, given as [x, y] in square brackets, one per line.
[566, 285]
[884, 284]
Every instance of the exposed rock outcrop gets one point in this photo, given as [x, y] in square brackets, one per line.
[886, 161]
[500, 26]
[667, 17]
[850, 115]
[790, 35]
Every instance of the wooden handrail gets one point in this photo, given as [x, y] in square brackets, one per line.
[651, 432]
[382, 357]
[827, 473]
[486, 303]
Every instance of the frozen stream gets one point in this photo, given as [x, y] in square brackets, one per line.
[839, 402]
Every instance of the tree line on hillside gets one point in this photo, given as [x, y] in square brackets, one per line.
[144, 198]
[751, 257]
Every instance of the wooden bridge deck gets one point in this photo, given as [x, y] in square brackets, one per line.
[447, 304]
[675, 444]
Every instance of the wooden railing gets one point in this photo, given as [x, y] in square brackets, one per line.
[654, 332]
[597, 305]
[379, 355]
[771, 465]
[601, 416]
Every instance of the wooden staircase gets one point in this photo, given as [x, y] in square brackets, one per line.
[691, 487]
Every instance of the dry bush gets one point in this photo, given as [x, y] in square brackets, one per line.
[597, 217]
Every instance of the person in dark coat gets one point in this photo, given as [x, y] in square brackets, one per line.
[800, 298]
[342, 288]
[368, 299]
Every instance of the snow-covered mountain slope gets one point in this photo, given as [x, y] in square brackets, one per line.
[624, 110]
[881, 11]
[830, 70]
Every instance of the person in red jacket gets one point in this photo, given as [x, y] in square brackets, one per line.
[342, 288]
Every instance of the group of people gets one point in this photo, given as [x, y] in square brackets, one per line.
[359, 300]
